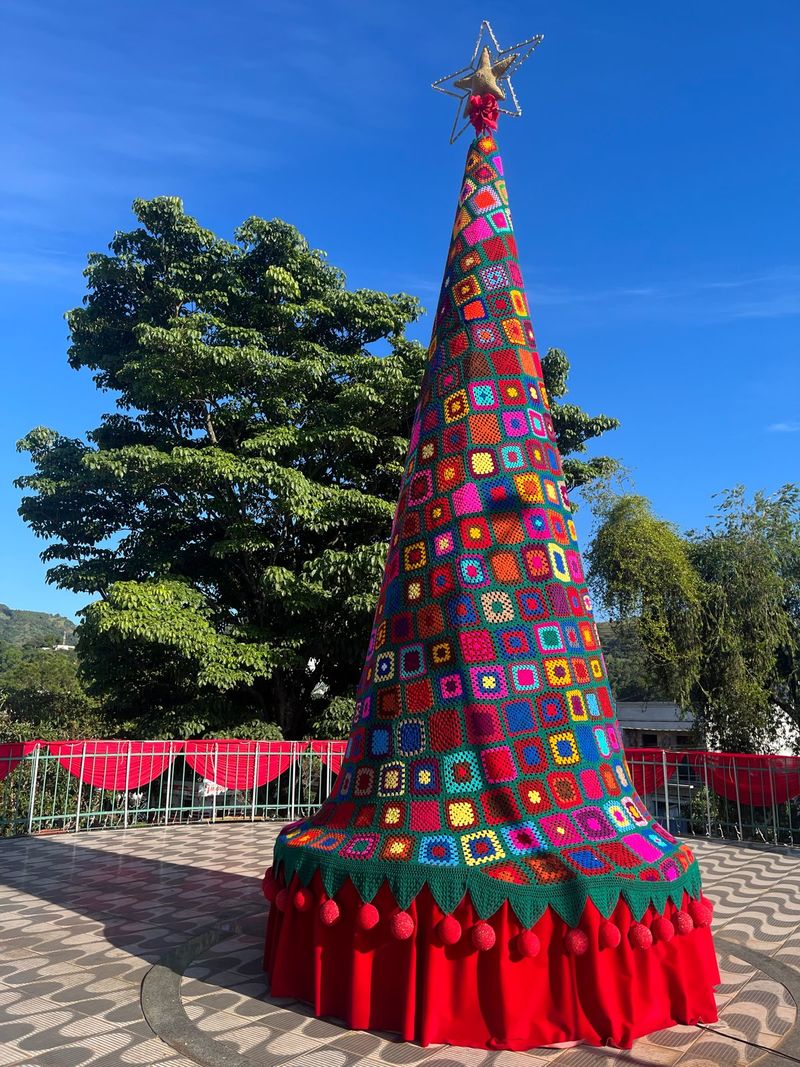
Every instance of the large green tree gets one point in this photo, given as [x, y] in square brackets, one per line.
[717, 611]
[232, 513]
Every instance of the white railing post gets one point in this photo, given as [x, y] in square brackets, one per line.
[80, 789]
[292, 778]
[34, 781]
[127, 785]
[255, 785]
[666, 788]
[169, 785]
[214, 797]
[738, 801]
[773, 804]
[708, 795]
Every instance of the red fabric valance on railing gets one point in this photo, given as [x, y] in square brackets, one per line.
[241, 764]
[330, 752]
[115, 765]
[121, 765]
[11, 754]
[646, 766]
[756, 780]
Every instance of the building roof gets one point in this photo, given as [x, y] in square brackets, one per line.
[652, 715]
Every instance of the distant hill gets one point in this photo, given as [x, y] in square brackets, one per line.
[28, 629]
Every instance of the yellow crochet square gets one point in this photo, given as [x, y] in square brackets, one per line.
[461, 814]
[529, 488]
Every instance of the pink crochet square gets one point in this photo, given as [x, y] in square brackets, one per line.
[477, 231]
[466, 500]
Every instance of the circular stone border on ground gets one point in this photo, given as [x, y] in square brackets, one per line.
[163, 1008]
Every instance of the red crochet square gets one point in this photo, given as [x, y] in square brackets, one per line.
[364, 816]
[425, 815]
[534, 797]
[457, 344]
[483, 724]
[530, 754]
[475, 532]
[389, 703]
[580, 672]
[411, 524]
[500, 806]
[419, 696]
[476, 646]
[429, 620]
[494, 248]
[437, 512]
[450, 472]
[506, 361]
[341, 814]
[498, 764]
[443, 580]
[445, 730]
[620, 855]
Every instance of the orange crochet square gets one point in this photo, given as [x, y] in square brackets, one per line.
[484, 429]
[507, 529]
[505, 567]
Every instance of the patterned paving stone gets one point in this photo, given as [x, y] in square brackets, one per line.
[82, 918]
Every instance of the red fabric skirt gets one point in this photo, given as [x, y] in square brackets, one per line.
[497, 999]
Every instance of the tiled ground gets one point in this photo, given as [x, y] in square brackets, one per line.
[83, 918]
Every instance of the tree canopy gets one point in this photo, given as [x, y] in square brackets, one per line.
[717, 611]
[232, 512]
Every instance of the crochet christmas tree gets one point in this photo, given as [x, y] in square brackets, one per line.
[484, 774]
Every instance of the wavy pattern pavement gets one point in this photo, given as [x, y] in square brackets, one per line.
[86, 920]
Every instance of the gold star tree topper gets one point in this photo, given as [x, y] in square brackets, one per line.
[489, 74]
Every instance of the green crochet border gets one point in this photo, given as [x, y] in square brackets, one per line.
[449, 885]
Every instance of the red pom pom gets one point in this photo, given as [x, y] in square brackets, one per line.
[482, 936]
[683, 922]
[576, 942]
[282, 899]
[329, 912]
[707, 903]
[270, 886]
[402, 925]
[368, 916]
[640, 936]
[662, 929]
[528, 944]
[701, 915]
[610, 935]
[449, 930]
[302, 900]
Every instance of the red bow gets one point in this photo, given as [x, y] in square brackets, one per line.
[483, 112]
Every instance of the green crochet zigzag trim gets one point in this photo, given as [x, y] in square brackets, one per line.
[448, 886]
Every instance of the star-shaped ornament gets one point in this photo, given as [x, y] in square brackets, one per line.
[484, 77]
[489, 74]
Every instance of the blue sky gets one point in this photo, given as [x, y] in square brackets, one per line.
[654, 180]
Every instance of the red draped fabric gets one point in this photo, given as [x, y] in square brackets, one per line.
[11, 754]
[115, 765]
[430, 993]
[646, 766]
[330, 752]
[241, 764]
[757, 780]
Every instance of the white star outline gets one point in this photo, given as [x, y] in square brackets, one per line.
[444, 85]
